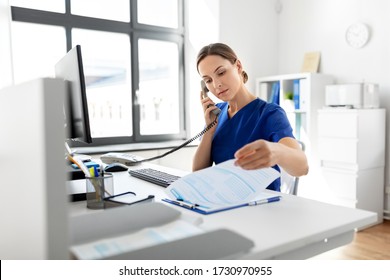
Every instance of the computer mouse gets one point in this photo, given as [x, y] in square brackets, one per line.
[115, 167]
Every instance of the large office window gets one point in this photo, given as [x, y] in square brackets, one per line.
[133, 56]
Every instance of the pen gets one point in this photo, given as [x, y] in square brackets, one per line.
[91, 172]
[181, 203]
[264, 201]
[96, 171]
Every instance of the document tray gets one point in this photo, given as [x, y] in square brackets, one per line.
[119, 220]
[218, 244]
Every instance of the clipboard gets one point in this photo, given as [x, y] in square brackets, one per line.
[222, 187]
[208, 210]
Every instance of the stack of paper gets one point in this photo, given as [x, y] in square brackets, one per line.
[221, 187]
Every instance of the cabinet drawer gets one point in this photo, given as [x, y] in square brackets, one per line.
[337, 125]
[341, 184]
[338, 150]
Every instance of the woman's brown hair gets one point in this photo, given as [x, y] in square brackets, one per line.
[222, 50]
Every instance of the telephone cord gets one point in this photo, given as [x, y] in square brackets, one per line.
[207, 128]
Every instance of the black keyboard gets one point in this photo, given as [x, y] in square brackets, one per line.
[154, 176]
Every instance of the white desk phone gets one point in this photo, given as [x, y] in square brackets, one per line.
[127, 159]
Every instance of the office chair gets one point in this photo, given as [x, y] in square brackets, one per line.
[289, 184]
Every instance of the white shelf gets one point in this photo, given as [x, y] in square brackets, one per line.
[312, 94]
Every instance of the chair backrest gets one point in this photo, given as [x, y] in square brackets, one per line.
[289, 184]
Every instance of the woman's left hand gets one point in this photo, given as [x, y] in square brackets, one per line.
[255, 155]
[286, 153]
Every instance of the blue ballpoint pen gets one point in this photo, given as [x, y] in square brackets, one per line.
[264, 201]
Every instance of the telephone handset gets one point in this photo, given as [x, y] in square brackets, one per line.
[205, 90]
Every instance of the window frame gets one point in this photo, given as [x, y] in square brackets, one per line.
[135, 31]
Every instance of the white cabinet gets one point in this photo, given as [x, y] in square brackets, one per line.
[302, 112]
[352, 153]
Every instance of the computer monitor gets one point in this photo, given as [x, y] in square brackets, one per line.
[70, 68]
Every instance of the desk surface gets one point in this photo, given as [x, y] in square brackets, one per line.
[293, 228]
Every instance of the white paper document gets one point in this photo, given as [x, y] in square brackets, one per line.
[221, 186]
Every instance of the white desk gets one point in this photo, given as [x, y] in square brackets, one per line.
[293, 228]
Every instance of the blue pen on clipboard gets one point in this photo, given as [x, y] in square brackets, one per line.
[264, 201]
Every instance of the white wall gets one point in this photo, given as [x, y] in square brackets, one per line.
[250, 27]
[271, 43]
[307, 25]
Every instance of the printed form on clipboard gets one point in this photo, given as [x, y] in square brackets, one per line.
[222, 187]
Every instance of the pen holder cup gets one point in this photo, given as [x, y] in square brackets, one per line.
[98, 188]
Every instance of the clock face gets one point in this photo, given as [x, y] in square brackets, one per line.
[357, 35]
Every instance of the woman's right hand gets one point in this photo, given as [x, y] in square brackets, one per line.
[208, 106]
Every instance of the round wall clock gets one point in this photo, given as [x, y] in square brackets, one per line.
[357, 35]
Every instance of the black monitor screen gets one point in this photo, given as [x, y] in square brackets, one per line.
[70, 68]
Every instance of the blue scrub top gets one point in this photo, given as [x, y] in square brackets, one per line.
[257, 120]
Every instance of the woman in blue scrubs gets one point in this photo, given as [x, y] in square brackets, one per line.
[255, 133]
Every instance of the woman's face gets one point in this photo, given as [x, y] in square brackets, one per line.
[222, 78]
